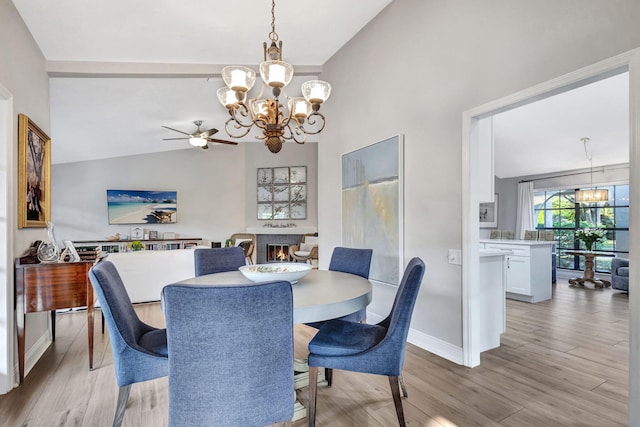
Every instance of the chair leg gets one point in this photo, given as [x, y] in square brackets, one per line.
[328, 375]
[123, 397]
[102, 315]
[395, 391]
[313, 392]
[403, 386]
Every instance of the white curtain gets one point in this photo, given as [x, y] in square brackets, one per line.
[524, 211]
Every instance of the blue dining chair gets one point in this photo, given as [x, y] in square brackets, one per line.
[374, 349]
[218, 260]
[353, 261]
[230, 354]
[139, 350]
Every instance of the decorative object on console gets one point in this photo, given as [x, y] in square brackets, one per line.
[292, 120]
[48, 251]
[34, 175]
[199, 138]
[592, 195]
[114, 238]
[590, 236]
[153, 234]
[282, 193]
[142, 207]
[137, 233]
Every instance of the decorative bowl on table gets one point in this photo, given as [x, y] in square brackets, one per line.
[291, 272]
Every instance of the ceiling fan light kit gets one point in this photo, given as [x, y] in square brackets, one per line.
[199, 138]
[291, 119]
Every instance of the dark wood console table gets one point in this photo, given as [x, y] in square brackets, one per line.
[48, 287]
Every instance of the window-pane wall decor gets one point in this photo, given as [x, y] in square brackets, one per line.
[282, 193]
[557, 210]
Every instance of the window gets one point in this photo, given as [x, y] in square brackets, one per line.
[557, 210]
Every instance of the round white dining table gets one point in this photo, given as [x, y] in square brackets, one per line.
[319, 295]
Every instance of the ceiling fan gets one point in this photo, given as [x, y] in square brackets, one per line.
[199, 138]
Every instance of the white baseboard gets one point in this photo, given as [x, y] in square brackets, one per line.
[32, 356]
[433, 345]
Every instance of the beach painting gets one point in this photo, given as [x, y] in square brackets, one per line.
[142, 207]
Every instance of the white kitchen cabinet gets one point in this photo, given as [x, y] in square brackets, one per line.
[527, 268]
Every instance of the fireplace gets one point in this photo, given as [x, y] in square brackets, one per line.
[278, 252]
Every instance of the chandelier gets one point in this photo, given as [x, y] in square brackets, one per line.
[591, 195]
[281, 118]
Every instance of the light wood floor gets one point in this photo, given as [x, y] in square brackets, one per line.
[562, 362]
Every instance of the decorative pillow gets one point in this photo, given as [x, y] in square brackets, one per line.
[309, 243]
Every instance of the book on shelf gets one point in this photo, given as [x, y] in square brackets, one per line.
[89, 253]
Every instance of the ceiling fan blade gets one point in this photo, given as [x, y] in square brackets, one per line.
[221, 141]
[208, 133]
[176, 130]
[172, 139]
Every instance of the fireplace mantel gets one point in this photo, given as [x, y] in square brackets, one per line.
[284, 230]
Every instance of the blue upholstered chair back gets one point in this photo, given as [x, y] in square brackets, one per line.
[386, 356]
[349, 260]
[218, 260]
[399, 319]
[132, 341]
[230, 354]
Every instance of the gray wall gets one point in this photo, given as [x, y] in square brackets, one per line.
[414, 70]
[22, 73]
[216, 189]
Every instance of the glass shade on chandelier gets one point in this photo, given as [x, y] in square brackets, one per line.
[280, 117]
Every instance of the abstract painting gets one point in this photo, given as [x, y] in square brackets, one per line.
[372, 206]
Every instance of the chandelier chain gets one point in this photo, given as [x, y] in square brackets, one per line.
[273, 35]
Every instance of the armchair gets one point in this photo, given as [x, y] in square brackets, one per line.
[248, 243]
[620, 274]
[307, 251]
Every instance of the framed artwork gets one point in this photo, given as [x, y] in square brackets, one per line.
[282, 193]
[489, 213]
[34, 175]
[142, 207]
[372, 206]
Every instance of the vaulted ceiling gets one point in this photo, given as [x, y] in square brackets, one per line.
[121, 69]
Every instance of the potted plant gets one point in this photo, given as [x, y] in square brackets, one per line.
[590, 236]
[136, 245]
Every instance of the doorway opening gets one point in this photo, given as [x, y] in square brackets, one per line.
[474, 130]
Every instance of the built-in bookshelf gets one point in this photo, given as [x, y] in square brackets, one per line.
[111, 246]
